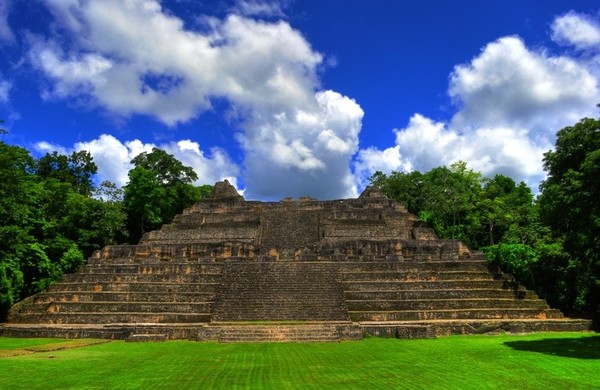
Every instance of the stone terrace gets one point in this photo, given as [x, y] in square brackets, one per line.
[233, 270]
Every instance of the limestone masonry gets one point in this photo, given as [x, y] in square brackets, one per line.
[296, 270]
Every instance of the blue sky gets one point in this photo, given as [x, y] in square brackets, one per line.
[296, 98]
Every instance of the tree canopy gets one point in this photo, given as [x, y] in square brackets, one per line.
[76, 169]
[159, 188]
[570, 206]
[53, 216]
[459, 203]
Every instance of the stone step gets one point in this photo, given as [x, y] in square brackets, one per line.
[121, 307]
[164, 252]
[147, 337]
[472, 314]
[414, 266]
[206, 332]
[287, 333]
[425, 285]
[140, 278]
[160, 268]
[153, 287]
[420, 329]
[72, 331]
[172, 268]
[301, 291]
[298, 297]
[445, 304]
[277, 310]
[213, 259]
[439, 294]
[280, 291]
[214, 264]
[123, 296]
[282, 313]
[112, 318]
[206, 234]
[377, 276]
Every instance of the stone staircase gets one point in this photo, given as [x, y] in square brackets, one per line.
[280, 291]
[430, 297]
[125, 293]
[323, 332]
[237, 271]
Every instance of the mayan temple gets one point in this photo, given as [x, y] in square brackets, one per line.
[233, 270]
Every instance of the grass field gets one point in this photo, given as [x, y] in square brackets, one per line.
[540, 361]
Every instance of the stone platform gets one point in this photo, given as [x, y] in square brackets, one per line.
[297, 270]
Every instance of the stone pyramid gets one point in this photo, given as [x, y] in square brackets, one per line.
[233, 270]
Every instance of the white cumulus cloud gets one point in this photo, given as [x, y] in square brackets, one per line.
[509, 84]
[48, 147]
[135, 57]
[511, 100]
[310, 149]
[576, 29]
[113, 158]
[259, 8]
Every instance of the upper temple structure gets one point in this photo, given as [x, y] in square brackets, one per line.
[233, 270]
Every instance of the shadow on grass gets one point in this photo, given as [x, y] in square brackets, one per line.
[580, 348]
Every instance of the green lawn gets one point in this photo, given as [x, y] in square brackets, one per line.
[540, 361]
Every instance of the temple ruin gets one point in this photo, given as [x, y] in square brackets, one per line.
[233, 270]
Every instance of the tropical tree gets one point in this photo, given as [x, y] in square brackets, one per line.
[570, 206]
[505, 209]
[444, 197]
[405, 187]
[49, 222]
[159, 188]
[76, 169]
[18, 198]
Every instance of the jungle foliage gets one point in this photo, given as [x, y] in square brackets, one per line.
[550, 244]
[159, 188]
[53, 216]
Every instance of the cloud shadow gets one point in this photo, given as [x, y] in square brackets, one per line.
[580, 348]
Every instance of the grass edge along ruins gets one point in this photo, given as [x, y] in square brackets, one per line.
[233, 270]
